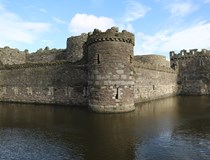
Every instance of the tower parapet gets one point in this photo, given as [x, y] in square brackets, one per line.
[110, 77]
[191, 54]
[110, 35]
[184, 55]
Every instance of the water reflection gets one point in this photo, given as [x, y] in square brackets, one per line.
[186, 135]
[172, 128]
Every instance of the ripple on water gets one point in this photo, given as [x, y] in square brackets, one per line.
[34, 144]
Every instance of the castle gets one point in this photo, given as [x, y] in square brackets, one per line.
[99, 70]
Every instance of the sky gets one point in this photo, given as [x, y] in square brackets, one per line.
[160, 26]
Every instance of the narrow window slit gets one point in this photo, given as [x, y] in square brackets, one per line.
[98, 58]
[201, 63]
[117, 93]
[131, 59]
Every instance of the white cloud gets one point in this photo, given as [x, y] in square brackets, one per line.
[58, 20]
[197, 36]
[135, 10]
[182, 8]
[14, 29]
[81, 23]
[149, 44]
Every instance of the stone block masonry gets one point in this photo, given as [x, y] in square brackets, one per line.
[62, 83]
[193, 71]
[99, 70]
[109, 67]
[153, 83]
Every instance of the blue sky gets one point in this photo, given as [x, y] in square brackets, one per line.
[159, 26]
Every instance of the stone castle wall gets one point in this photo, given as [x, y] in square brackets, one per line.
[193, 71]
[100, 70]
[155, 60]
[184, 55]
[153, 81]
[53, 83]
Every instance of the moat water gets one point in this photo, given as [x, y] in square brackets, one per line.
[176, 128]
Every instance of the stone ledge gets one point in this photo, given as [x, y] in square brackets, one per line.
[36, 65]
[153, 67]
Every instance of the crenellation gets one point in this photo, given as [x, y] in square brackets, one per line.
[183, 52]
[192, 69]
[193, 53]
[172, 53]
[204, 51]
[110, 35]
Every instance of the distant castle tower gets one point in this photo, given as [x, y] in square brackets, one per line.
[110, 77]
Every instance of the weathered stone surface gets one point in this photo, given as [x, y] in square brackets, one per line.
[57, 83]
[156, 60]
[75, 50]
[154, 84]
[11, 56]
[46, 55]
[109, 54]
[193, 71]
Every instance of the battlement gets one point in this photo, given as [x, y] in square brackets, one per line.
[191, 54]
[110, 35]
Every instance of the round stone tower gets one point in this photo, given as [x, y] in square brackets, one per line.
[110, 75]
[75, 47]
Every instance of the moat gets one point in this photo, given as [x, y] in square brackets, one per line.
[171, 128]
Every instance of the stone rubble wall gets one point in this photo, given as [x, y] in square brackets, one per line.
[156, 60]
[11, 56]
[193, 71]
[46, 55]
[75, 50]
[153, 82]
[53, 83]
[194, 75]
